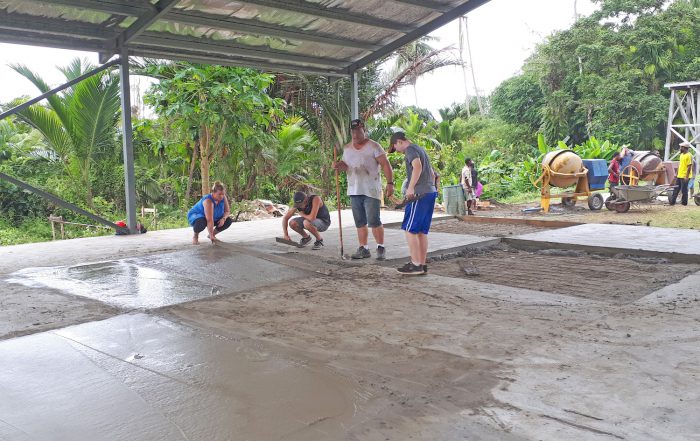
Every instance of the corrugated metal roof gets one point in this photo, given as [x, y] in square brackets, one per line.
[331, 37]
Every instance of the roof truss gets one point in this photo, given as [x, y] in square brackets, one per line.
[331, 40]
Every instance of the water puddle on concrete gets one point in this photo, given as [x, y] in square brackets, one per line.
[160, 279]
[137, 377]
[118, 283]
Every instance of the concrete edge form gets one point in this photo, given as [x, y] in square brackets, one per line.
[605, 251]
[518, 221]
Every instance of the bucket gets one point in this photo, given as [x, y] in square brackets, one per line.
[453, 198]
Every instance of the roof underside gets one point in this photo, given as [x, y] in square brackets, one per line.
[327, 37]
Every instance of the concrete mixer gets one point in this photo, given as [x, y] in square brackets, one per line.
[562, 169]
[645, 166]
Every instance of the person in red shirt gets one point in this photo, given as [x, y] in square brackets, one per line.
[614, 170]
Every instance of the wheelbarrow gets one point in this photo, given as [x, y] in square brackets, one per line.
[623, 197]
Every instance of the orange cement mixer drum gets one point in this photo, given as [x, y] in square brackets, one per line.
[565, 162]
[650, 164]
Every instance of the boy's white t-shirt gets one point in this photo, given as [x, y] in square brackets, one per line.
[364, 178]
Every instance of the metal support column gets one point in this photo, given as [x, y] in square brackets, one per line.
[669, 132]
[127, 135]
[354, 97]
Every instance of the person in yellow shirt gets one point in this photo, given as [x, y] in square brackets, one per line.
[685, 173]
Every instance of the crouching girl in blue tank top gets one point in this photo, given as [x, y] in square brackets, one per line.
[211, 213]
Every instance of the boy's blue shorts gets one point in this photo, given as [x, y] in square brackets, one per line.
[419, 214]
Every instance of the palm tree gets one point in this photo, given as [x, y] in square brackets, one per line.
[78, 123]
[411, 62]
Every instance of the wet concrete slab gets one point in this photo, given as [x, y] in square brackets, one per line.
[394, 241]
[94, 249]
[26, 310]
[161, 279]
[522, 363]
[620, 238]
[136, 377]
[629, 375]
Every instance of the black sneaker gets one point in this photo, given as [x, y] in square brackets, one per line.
[317, 245]
[425, 269]
[381, 253]
[305, 241]
[412, 270]
[361, 253]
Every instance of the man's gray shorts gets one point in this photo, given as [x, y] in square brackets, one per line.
[320, 225]
[365, 211]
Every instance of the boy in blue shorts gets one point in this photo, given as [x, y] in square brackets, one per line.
[422, 192]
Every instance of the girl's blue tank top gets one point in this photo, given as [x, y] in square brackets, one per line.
[197, 210]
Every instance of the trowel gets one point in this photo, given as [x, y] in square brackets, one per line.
[288, 242]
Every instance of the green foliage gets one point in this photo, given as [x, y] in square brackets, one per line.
[227, 109]
[519, 100]
[590, 88]
[78, 124]
[604, 77]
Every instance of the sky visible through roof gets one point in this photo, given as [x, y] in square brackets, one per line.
[503, 34]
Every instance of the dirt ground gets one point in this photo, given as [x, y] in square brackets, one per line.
[413, 347]
[451, 358]
[655, 214]
[611, 279]
[455, 226]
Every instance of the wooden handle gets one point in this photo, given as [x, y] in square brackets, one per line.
[337, 198]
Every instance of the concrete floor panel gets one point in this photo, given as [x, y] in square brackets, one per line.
[362, 354]
[161, 279]
[26, 310]
[394, 240]
[137, 377]
[633, 239]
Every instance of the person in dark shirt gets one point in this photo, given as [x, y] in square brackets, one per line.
[313, 217]
[421, 193]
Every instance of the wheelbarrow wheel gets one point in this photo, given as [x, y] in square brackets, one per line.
[696, 198]
[610, 202]
[622, 207]
[568, 202]
[596, 201]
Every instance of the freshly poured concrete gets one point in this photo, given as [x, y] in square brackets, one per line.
[622, 237]
[26, 310]
[160, 280]
[137, 377]
[93, 249]
[555, 367]
[363, 354]
[395, 242]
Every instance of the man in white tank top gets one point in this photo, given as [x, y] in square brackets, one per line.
[362, 161]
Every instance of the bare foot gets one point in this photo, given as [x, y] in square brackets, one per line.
[195, 240]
